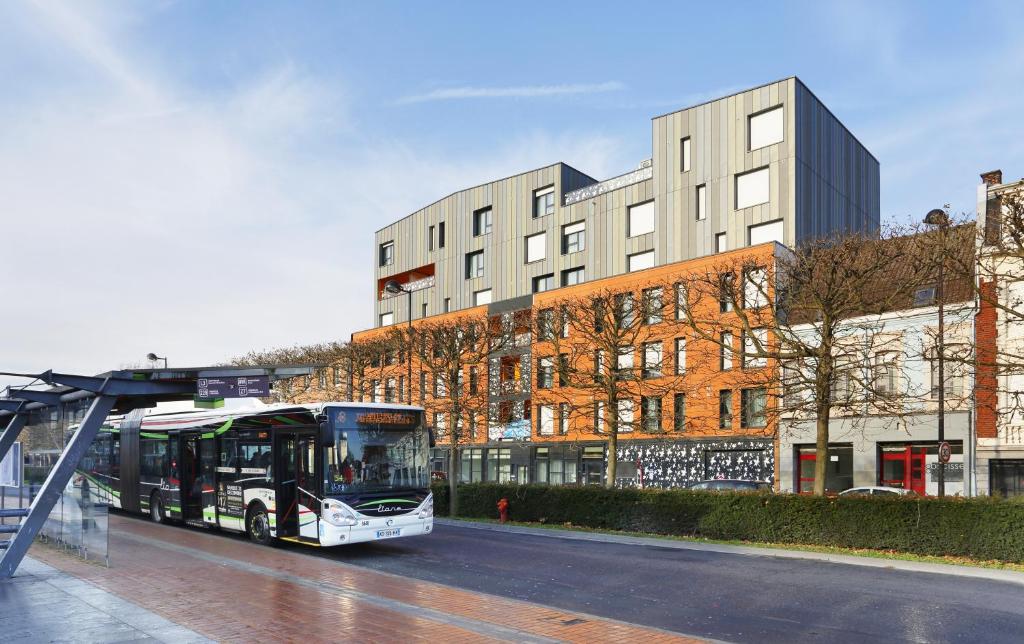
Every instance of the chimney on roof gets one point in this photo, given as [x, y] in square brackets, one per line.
[992, 178]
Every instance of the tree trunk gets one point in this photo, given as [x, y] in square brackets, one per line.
[613, 461]
[821, 453]
[453, 481]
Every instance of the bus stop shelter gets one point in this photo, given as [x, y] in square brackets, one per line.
[117, 392]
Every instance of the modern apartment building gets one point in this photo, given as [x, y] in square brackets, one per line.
[771, 163]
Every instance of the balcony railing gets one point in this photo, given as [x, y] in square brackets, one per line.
[415, 285]
[642, 173]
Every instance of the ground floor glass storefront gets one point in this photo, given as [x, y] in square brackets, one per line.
[1006, 477]
[657, 464]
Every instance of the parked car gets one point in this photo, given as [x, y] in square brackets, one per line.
[735, 485]
[877, 490]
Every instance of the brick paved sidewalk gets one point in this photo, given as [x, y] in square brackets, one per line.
[230, 590]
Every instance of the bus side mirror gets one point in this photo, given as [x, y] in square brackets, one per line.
[431, 439]
[326, 433]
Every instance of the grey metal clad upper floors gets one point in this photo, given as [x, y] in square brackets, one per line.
[767, 164]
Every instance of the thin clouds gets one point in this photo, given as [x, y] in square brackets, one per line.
[521, 91]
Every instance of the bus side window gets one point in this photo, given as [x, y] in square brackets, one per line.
[228, 452]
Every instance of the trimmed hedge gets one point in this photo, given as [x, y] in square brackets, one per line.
[981, 528]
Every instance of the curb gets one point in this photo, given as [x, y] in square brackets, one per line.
[993, 574]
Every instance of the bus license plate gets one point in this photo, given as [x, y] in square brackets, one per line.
[393, 532]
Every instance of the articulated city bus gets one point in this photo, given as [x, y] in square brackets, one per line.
[325, 474]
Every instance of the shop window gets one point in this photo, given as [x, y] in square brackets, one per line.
[499, 465]
[1006, 477]
[838, 473]
[471, 466]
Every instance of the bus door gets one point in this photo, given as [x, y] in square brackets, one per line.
[307, 488]
[284, 485]
[190, 481]
[298, 508]
[208, 479]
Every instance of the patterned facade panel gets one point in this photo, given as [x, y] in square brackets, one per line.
[677, 464]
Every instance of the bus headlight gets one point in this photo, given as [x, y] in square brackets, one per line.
[426, 509]
[339, 515]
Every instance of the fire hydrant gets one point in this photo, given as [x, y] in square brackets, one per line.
[503, 510]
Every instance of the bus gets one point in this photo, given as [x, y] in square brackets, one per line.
[324, 474]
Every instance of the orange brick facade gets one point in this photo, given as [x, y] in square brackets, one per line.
[986, 384]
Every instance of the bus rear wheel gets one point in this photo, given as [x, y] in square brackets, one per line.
[156, 508]
[257, 524]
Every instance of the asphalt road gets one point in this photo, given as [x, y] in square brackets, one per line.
[739, 598]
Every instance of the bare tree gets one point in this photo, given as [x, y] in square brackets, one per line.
[599, 354]
[452, 356]
[812, 313]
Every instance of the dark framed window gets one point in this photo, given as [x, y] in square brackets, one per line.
[679, 412]
[545, 372]
[653, 305]
[574, 237]
[543, 283]
[430, 238]
[482, 221]
[1006, 477]
[650, 413]
[543, 201]
[752, 403]
[475, 264]
[725, 409]
[440, 235]
[387, 253]
[572, 276]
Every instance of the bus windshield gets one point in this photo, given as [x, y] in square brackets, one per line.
[375, 459]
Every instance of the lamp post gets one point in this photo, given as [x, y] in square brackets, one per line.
[152, 357]
[938, 217]
[393, 287]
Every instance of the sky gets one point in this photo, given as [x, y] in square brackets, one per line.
[203, 179]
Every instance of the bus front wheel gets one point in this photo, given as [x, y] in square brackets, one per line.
[156, 508]
[258, 525]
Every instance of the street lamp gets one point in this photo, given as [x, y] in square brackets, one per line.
[393, 287]
[152, 357]
[938, 217]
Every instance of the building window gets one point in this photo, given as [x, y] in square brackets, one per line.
[474, 381]
[574, 237]
[545, 373]
[545, 324]
[650, 414]
[842, 382]
[475, 264]
[702, 202]
[752, 188]
[375, 391]
[599, 416]
[752, 402]
[640, 219]
[725, 409]
[885, 373]
[640, 261]
[440, 235]
[543, 283]
[423, 312]
[624, 362]
[680, 297]
[680, 356]
[954, 372]
[684, 154]
[389, 390]
[755, 288]
[387, 253]
[401, 389]
[925, 296]
[652, 360]
[563, 418]
[430, 238]
[337, 377]
[767, 232]
[482, 297]
[725, 294]
[679, 412]
[1006, 477]
[721, 243]
[387, 319]
[321, 377]
[499, 465]
[482, 221]
[423, 385]
[471, 466]
[725, 352]
[439, 389]
[572, 276]
[599, 365]
[536, 246]
[752, 356]
[543, 202]
[625, 415]
[447, 305]
[652, 305]
[545, 420]
[625, 316]
[765, 128]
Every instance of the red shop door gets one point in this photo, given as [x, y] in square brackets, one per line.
[904, 468]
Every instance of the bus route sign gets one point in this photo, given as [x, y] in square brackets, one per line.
[237, 387]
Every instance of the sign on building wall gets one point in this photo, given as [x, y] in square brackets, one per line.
[237, 387]
[11, 467]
